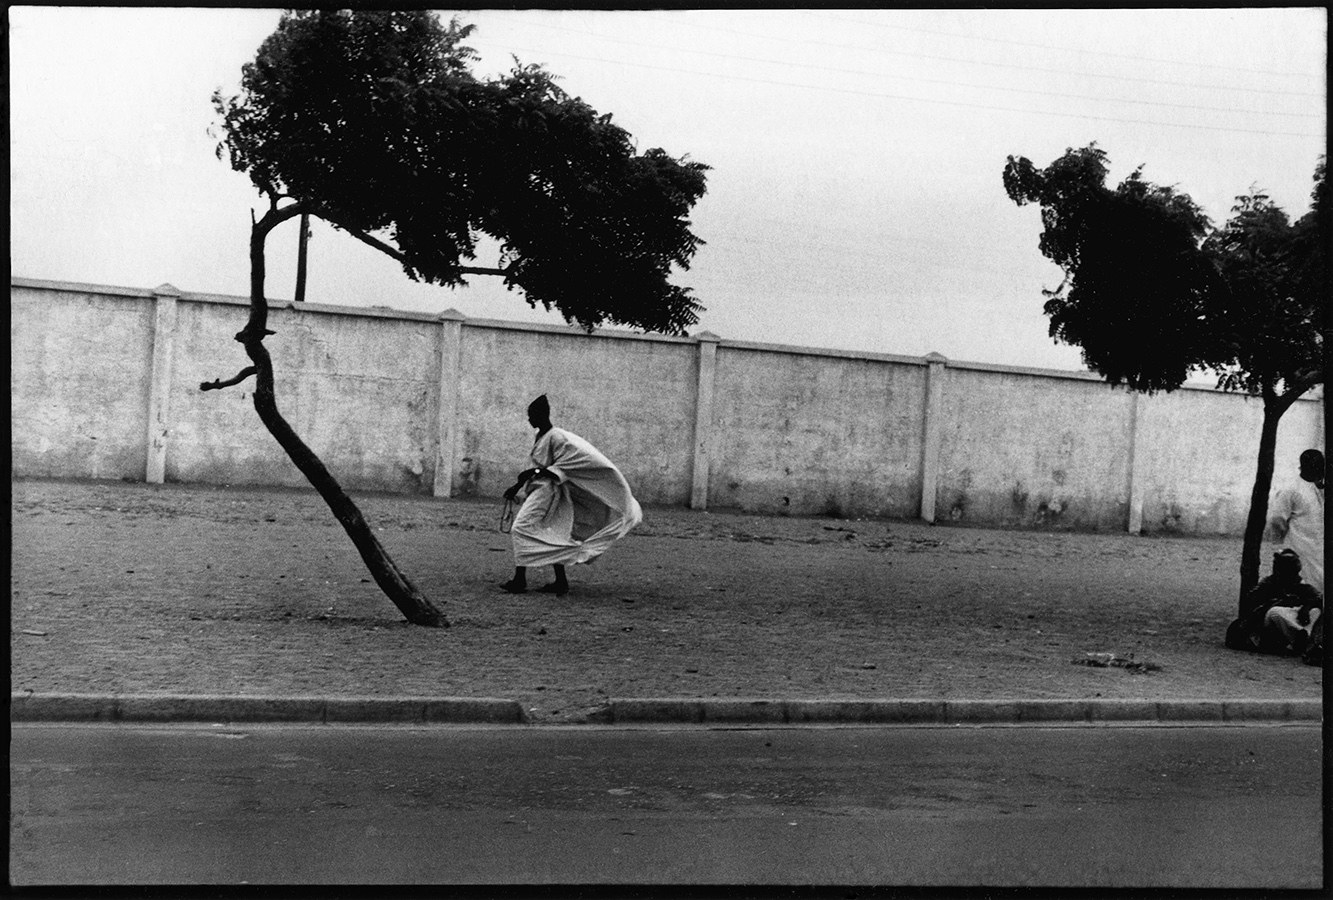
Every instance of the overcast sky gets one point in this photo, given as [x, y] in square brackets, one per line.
[855, 200]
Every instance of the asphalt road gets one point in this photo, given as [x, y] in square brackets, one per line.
[1202, 806]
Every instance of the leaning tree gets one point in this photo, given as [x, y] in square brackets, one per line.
[372, 121]
[1152, 292]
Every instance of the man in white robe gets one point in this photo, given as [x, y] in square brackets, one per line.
[1296, 518]
[577, 504]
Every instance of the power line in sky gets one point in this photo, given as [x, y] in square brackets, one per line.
[863, 73]
[977, 62]
[866, 256]
[926, 100]
[867, 264]
[1079, 50]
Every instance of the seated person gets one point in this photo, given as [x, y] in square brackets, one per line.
[1314, 650]
[1282, 611]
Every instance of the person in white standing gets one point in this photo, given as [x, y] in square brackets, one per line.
[577, 504]
[1296, 518]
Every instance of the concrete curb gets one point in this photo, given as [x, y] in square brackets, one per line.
[953, 712]
[25, 707]
[207, 708]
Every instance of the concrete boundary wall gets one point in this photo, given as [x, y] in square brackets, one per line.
[105, 384]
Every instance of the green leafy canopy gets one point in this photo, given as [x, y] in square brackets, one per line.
[373, 121]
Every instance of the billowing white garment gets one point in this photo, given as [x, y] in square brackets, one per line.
[572, 520]
[1301, 507]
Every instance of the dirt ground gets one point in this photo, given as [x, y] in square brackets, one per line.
[122, 587]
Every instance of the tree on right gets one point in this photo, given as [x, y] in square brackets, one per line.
[1154, 292]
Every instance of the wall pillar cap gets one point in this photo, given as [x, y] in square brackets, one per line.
[936, 357]
[166, 289]
[452, 315]
[707, 336]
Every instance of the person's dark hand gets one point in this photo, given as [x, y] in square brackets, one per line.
[1303, 616]
[511, 493]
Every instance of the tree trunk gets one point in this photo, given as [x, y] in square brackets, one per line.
[413, 604]
[1257, 522]
[301, 246]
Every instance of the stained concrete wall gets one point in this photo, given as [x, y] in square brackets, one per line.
[1026, 451]
[810, 432]
[105, 384]
[79, 382]
[361, 391]
[1201, 452]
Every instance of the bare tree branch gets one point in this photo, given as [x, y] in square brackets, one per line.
[390, 251]
[218, 384]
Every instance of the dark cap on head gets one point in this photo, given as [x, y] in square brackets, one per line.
[1287, 559]
[540, 407]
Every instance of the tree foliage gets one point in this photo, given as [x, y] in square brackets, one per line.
[373, 121]
[1153, 292]
[1270, 312]
[1136, 282]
